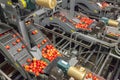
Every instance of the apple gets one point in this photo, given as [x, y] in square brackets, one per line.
[28, 60]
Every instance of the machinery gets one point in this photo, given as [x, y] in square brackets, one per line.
[85, 25]
[18, 55]
[59, 40]
[95, 8]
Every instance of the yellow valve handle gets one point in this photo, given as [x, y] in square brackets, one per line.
[23, 3]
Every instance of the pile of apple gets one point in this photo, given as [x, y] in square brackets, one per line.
[91, 76]
[84, 23]
[35, 66]
[50, 52]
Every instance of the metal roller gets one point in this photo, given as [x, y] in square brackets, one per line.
[47, 3]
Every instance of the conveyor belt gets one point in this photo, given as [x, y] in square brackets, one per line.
[14, 49]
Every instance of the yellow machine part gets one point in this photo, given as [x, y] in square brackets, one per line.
[47, 3]
[23, 3]
[9, 2]
[77, 73]
[113, 23]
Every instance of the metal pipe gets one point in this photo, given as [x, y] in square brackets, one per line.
[100, 63]
[100, 59]
[3, 63]
[103, 65]
[59, 42]
[113, 55]
[1, 72]
[53, 39]
[94, 40]
[65, 46]
[89, 56]
[115, 70]
[117, 74]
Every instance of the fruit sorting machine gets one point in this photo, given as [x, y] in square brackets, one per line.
[17, 54]
[95, 8]
[59, 43]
